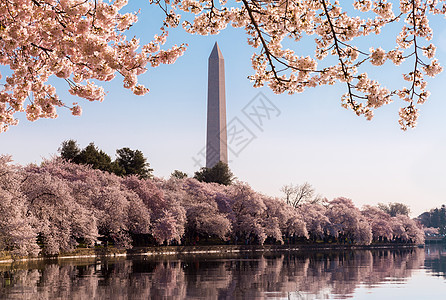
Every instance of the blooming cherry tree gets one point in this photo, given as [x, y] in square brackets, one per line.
[83, 42]
[317, 223]
[283, 220]
[407, 230]
[16, 232]
[347, 221]
[59, 219]
[379, 221]
[248, 214]
[198, 200]
[337, 30]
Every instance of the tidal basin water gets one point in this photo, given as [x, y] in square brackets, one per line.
[361, 274]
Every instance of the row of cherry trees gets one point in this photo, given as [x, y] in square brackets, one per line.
[56, 206]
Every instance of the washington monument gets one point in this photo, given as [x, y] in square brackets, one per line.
[216, 140]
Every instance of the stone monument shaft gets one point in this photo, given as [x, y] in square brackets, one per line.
[216, 140]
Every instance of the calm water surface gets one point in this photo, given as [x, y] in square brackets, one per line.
[377, 274]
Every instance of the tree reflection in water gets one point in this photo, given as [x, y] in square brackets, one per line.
[436, 259]
[255, 276]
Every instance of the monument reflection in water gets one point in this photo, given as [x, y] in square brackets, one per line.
[323, 275]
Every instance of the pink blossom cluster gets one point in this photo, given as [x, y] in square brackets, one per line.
[269, 23]
[81, 42]
[60, 204]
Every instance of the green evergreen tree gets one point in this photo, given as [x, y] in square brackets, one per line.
[220, 173]
[133, 162]
[178, 174]
[94, 157]
[69, 150]
[128, 161]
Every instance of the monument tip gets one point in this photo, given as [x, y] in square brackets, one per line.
[216, 53]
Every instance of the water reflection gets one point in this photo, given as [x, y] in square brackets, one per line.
[249, 276]
[436, 259]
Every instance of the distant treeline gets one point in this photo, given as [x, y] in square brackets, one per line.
[435, 218]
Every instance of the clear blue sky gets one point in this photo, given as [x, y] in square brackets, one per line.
[313, 139]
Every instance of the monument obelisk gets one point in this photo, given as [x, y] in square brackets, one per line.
[216, 140]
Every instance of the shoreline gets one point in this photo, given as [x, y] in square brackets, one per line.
[111, 252]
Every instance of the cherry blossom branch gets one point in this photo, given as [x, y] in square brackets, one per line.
[351, 101]
[76, 46]
[415, 70]
[264, 44]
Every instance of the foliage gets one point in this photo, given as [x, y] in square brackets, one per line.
[128, 162]
[436, 218]
[220, 173]
[69, 150]
[94, 157]
[133, 162]
[178, 174]
[395, 208]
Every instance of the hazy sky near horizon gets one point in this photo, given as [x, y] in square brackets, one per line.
[309, 137]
